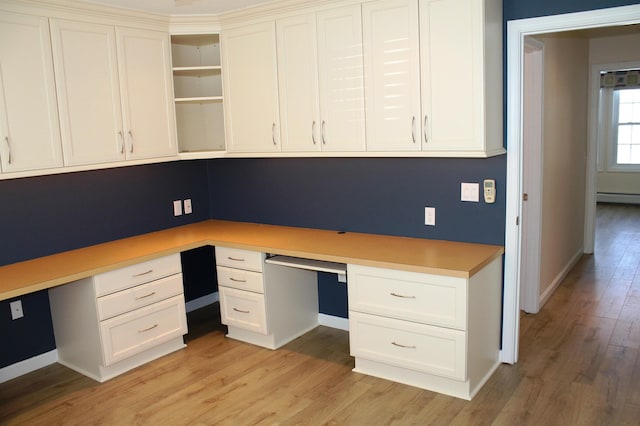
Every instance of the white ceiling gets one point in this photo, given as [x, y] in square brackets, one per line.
[182, 7]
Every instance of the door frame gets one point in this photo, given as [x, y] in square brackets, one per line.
[517, 30]
[532, 150]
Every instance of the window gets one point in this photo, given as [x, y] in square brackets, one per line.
[627, 126]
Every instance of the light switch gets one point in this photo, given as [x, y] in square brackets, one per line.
[430, 216]
[187, 206]
[470, 192]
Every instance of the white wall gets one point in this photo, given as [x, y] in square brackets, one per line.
[608, 50]
[566, 76]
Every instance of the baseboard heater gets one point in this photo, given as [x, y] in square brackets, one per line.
[607, 197]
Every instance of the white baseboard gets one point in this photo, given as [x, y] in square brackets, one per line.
[604, 197]
[333, 322]
[201, 302]
[28, 365]
[558, 279]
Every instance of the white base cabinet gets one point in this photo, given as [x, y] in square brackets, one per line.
[264, 304]
[112, 322]
[430, 331]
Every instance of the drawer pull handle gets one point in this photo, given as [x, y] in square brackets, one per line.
[402, 296]
[235, 259]
[402, 346]
[148, 328]
[143, 273]
[146, 295]
[241, 311]
[237, 281]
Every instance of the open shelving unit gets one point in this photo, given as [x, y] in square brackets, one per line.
[197, 83]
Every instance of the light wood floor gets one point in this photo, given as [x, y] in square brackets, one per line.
[579, 365]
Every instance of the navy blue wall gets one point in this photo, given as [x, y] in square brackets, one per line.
[50, 214]
[374, 195]
[520, 9]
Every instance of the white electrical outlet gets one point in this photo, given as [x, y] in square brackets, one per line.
[177, 208]
[430, 216]
[16, 309]
[187, 206]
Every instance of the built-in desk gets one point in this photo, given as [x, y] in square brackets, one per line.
[407, 254]
[421, 312]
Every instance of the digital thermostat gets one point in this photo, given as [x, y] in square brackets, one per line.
[489, 191]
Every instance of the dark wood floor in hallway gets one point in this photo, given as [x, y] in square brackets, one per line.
[578, 365]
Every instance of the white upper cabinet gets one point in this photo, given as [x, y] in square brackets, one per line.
[392, 75]
[321, 81]
[341, 79]
[28, 111]
[144, 64]
[460, 42]
[251, 88]
[114, 92]
[88, 92]
[298, 83]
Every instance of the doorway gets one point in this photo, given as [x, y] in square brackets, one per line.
[515, 245]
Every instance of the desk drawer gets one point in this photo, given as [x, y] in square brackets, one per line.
[240, 279]
[424, 298]
[140, 273]
[136, 331]
[243, 309]
[236, 258]
[146, 294]
[425, 348]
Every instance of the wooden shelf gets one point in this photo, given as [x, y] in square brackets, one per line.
[197, 83]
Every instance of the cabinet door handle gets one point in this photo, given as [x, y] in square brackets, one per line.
[403, 346]
[273, 133]
[131, 140]
[235, 259]
[313, 132]
[413, 128]
[146, 295]
[121, 142]
[6, 138]
[241, 311]
[324, 140]
[237, 281]
[426, 131]
[401, 296]
[143, 273]
[148, 328]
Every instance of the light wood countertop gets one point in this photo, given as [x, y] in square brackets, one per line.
[403, 253]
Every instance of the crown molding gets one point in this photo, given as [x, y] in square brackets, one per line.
[281, 8]
[81, 10]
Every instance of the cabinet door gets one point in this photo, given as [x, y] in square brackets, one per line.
[298, 83]
[251, 88]
[451, 51]
[28, 111]
[392, 75]
[86, 69]
[144, 63]
[341, 79]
